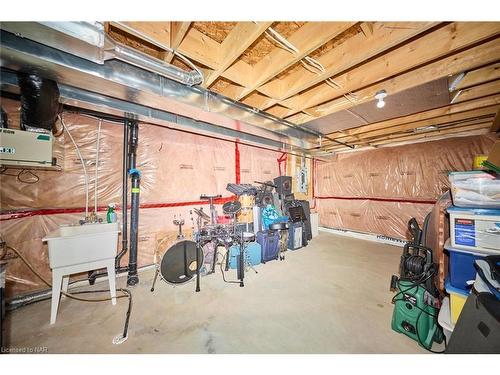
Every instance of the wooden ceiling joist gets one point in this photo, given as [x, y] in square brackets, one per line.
[361, 59]
[444, 129]
[458, 130]
[344, 56]
[463, 61]
[430, 127]
[485, 89]
[422, 124]
[484, 74]
[435, 45]
[306, 39]
[238, 40]
[348, 134]
[200, 48]
[495, 126]
[178, 31]
[367, 28]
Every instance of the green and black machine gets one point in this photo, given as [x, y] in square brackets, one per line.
[417, 301]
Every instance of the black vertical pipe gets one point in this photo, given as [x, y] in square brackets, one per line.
[3, 271]
[133, 278]
[124, 194]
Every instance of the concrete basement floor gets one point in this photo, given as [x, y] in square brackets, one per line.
[330, 297]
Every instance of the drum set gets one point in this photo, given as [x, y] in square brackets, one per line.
[188, 259]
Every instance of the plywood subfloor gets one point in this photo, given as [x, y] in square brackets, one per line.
[330, 297]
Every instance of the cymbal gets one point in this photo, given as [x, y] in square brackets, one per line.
[200, 213]
[231, 207]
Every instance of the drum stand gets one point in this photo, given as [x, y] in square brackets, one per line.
[179, 222]
[213, 211]
[241, 262]
[198, 248]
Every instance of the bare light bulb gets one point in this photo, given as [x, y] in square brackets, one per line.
[380, 97]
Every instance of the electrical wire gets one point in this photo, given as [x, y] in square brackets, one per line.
[18, 176]
[83, 166]
[309, 63]
[126, 294]
[280, 40]
[24, 171]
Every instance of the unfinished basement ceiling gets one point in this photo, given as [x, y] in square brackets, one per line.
[319, 79]
[328, 75]
[417, 99]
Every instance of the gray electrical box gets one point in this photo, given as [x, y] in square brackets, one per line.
[23, 149]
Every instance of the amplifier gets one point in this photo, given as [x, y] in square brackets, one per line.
[307, 220]
[283, 185]
[295, 236]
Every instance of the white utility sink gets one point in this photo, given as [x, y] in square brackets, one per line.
[81, 248]
[76, 244]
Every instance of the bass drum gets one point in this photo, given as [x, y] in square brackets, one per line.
[178, 263]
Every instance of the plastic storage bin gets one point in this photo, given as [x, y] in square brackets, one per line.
[457, 300]
[461, 266]
[475, 189]
[475, 229]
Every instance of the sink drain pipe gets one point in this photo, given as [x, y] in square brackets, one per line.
[125, 169]
[135, 175]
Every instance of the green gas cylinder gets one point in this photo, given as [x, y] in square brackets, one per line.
[415, 315]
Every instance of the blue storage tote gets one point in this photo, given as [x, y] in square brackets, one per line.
[253, 254]
[461, 266]
[475, 229]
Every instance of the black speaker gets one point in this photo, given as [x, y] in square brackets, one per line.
[307, 221]
[264, 198]
[283, 185]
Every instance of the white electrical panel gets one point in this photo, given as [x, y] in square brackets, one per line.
[23, 149]
[302, 177]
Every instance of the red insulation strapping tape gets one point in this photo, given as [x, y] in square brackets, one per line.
[18, 214]
[396, 200]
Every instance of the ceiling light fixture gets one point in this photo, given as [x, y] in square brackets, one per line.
[380, 95]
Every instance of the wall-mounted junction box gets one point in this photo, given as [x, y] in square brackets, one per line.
[23, 149]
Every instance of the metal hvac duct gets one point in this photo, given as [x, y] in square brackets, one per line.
[89, 41]
[79, 68]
